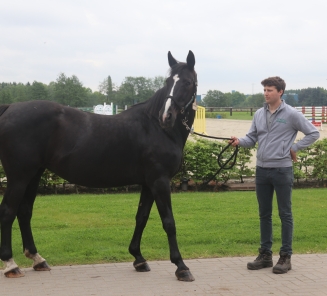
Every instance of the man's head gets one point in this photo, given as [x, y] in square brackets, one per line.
[276, 81]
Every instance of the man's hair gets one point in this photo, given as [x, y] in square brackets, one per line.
[276, 81]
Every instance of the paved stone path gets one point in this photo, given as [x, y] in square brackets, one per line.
[216, 276]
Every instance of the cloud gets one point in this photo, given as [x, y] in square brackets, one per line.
[236, 43]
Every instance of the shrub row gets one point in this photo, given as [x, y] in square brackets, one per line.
[200, 164]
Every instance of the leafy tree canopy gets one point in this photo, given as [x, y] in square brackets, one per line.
[71, 91]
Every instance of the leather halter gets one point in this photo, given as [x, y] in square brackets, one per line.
[182, 109]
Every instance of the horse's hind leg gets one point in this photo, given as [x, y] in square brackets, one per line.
[24, 216]
[142, 215]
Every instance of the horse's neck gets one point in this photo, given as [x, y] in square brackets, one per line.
[184, 125]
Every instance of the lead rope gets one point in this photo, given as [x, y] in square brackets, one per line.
[222, 165]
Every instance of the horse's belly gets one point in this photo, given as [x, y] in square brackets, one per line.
[99, 176]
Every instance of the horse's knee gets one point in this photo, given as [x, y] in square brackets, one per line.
[24, 214]
[7, 216]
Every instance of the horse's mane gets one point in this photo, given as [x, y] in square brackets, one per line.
[3, 108]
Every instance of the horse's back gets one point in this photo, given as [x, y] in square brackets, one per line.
[31, 129]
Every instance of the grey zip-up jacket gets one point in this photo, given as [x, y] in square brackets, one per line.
[274, 145]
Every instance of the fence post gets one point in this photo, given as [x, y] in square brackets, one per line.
[230, 111]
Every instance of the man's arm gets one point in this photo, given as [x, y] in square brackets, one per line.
[311, 134]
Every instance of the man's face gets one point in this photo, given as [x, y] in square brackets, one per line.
[272, 96]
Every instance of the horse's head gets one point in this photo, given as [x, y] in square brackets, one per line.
[181, 90]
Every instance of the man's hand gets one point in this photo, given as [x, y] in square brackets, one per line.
[234, 141]
[293, 155]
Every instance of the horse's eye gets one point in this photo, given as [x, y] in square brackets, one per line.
[187, 83]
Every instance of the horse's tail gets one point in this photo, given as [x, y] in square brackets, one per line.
[3, 108]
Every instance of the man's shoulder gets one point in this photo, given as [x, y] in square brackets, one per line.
[260, 110]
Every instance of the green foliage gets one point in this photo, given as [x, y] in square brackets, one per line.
[238, 115]
[242, 163]
[319, 161]
[69, 91]
[216, 98]
[2, 176]
[51, 180]
[311, 96]
[137, 89]
[200, 161]
[215, 114]
[312, 162]
[255, 100]
[302, 168]
[213, 98]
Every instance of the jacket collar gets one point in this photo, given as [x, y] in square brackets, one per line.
[281, 106]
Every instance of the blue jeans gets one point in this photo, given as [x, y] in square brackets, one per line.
[279, 180]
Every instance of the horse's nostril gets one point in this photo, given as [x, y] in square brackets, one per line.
[168, 115]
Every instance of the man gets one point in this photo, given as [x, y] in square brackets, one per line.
[275, 127]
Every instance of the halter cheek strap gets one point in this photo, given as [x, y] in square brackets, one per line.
[195, 83]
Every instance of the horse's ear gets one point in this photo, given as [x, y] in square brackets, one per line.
[172, 61]
[190, 60]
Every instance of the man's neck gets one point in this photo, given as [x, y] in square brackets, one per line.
[274, 107]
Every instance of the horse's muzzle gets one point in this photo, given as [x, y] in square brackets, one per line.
[167, 120]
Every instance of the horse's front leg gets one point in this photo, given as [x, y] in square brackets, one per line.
[24, 217]
[161, 192]
[8, 211]
[142, 215]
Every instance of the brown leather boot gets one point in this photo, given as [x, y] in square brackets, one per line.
[284, 263]
[263, 260]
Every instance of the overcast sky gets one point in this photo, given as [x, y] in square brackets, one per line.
[236, 43]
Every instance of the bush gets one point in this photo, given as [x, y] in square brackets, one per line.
[200, 162]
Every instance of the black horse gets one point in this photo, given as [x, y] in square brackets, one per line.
[142, 145]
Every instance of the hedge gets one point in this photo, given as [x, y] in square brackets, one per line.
[199, 164]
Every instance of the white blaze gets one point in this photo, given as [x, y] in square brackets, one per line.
[168, 102]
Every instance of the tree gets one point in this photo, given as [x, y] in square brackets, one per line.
[214, 98]
[106, 88]
[95, 98]
[158, 82]
[38, 91]
[255, 100]
[237, 99]
[6, 96]
[70, 91]
[135, 90]
[290, 100]
[20, 92]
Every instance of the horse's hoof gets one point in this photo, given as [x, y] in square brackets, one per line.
[43, 266]
[14, 273]
[141, 267]
[184, 275]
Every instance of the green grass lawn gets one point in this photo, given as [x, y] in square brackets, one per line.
[85, 229]
[246, 115]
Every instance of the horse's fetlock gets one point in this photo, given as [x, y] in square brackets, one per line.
[5, 254]
[37, 259]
